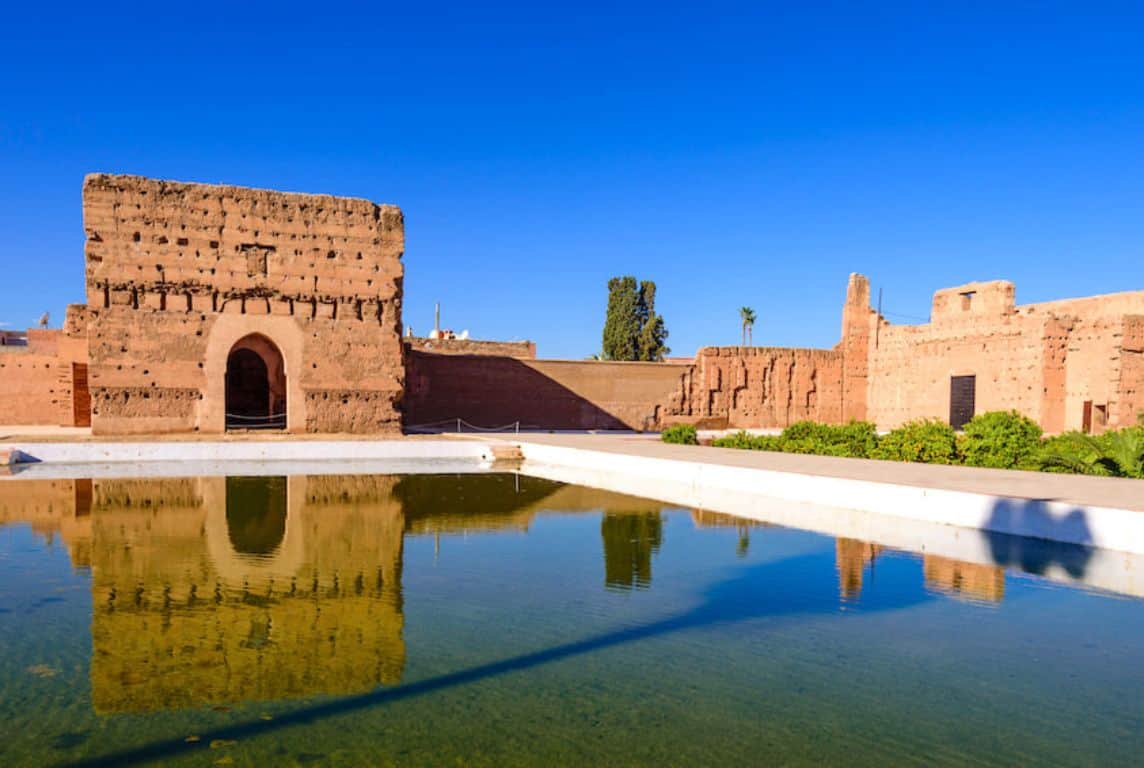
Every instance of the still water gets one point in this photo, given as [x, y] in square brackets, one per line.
[502, 620]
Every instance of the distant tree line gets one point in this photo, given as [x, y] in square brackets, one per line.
[632, 329]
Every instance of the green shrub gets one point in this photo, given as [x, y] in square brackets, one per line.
[927, 441]
[1119, 453]
[1001, 439]
[747, 441]
[741, 440]
[683, 434]
[856, 439]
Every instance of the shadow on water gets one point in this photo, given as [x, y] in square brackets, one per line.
[1042, 542]
[782, 589]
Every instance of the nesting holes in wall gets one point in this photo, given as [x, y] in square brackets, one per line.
[136, 237]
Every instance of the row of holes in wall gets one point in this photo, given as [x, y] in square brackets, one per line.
[184, 242]
[185, 302]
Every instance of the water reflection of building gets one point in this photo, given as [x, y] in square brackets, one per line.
[974, 581]
[209, 591]
[953, 577]
[705, 519]
[218, 590]
[215, 590]
[851, 557]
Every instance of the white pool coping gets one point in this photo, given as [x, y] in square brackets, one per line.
[694, 482]
[688, 478]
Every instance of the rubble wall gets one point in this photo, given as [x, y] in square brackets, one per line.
[178, 273]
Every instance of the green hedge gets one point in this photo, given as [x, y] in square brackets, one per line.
[1001, 439]
[927, 441]
[682, 434]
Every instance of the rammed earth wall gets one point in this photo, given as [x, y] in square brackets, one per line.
[178, 273]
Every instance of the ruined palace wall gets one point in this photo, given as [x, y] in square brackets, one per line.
[1043, 360]
[759, 387]
[177, 273]
[28, 386]
[1130, 405]
[911, 366]
[37, 380]
[551, 394]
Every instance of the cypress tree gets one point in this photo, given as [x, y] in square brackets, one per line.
[632, 329]
[622, 325]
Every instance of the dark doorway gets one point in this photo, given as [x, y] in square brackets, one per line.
[962, 400]
[256, 514]
[1086, 418]
[255, 385]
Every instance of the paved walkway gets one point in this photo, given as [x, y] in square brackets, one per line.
[1076, 490]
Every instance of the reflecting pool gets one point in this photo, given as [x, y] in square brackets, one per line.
[500, 620]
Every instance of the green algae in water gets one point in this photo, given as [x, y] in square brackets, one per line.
[503, 620]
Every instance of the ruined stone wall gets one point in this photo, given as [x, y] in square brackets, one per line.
[29, 391]
[1131, 384]
[492, 391]
[753, 387]
[177, 273]
[1043, 360]
[523, 350]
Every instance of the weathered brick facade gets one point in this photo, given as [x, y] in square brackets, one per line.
[213, 307]
[180, 275]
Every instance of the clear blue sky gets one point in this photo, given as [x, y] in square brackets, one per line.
[737, 154]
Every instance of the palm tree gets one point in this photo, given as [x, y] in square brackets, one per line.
[747, 318]
[1119, 454]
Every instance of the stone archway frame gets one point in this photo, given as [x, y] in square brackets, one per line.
[227, 330]
[235, 568]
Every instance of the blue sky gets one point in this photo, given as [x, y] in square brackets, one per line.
[736, 154]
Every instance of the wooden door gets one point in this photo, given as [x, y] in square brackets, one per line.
[81, 396]
[962, 400]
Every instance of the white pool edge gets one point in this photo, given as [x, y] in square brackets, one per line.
[688, 482]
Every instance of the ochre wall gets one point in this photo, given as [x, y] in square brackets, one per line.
[36, 381]
[492, 391]
[1042, 360]
[176, 273]
[749, 387]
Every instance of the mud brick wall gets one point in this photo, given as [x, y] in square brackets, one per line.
[29, 386]
[1043, 360]
[178, 273]
[753, 387]
[1131, 384]
[490, 391]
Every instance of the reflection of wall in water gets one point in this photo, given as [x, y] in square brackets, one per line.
[183, 617]
[851, 557]
[954, 577]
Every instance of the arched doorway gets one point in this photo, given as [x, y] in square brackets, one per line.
[255, 385]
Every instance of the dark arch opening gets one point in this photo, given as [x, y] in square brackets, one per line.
[255, 385]
[256, 514]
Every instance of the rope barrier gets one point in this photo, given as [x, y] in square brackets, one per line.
[459, 425]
